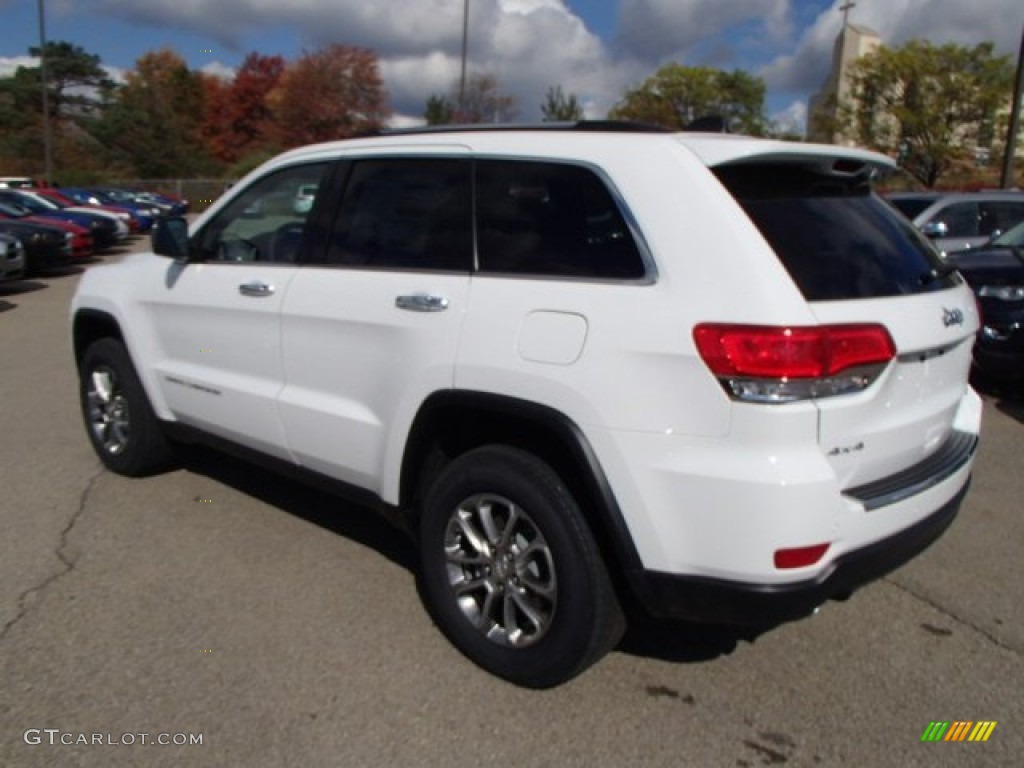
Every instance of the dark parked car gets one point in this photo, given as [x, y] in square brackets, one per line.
[79, 238]
[102, 227]
[46, 247]
[995, 271]
[171, 204]
[147, 213]
[122, 217]
[165, 205]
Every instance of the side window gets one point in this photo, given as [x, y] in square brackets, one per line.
[267, 221]
[551, 219]
[961, 219]
[408, 213]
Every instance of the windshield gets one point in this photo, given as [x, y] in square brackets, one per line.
[10, 209]
[115, 194]
[56, 200]
[28, 204]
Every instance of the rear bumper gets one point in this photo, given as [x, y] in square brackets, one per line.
[42, 258]
[713, 600]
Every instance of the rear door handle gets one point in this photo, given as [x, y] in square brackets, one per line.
[256, 289]
[422, 302]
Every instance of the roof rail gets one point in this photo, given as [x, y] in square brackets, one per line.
[595, 126]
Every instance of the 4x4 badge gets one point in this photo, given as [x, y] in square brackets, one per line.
[952, 317]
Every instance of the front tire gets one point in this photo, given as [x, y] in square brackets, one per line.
[123, 429]
[511, 572]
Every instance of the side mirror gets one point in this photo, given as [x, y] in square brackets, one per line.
[935, 229]
[170, 238]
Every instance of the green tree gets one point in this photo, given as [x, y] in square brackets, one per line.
[559, 107]
[676, 95]
[483, 102]
[77, 89]
[439, 110]
[77, 83]
[155, 120]
[928, 105]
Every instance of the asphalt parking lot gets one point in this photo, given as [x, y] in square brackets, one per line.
[281, 627]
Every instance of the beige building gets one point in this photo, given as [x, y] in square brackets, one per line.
[853, 42]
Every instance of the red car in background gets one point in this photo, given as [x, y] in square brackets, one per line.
[81, 238]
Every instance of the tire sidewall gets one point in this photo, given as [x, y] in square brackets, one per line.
[146, 449]
[515, 475]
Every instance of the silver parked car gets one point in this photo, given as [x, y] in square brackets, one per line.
[960, 220]
[12, 258]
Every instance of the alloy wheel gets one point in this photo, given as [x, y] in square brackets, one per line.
[501, 570]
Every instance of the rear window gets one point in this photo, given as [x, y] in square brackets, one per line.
[835, 237]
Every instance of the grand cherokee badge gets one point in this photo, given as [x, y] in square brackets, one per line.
[952, 317]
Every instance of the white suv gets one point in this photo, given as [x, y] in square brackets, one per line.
[712, 375]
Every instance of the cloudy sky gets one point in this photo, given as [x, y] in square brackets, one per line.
[593, 48]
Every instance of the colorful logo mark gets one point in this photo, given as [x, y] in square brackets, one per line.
[959, 730]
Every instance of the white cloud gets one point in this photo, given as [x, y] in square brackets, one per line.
[9, 64]
[405, 121]
[399, 26]
[115, 73]
[792, 119]
[219, 69]
[896, 22]
[527, 44]
[530, 45]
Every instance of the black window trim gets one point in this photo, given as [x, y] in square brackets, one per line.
[650, 276]
[327, 210]
[327, 182]
[327, 207]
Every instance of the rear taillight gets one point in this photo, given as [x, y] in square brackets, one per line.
[772, 364]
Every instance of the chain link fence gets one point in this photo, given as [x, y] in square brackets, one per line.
[200, 193]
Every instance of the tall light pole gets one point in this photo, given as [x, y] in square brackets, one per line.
[47, 139]
[465, 46]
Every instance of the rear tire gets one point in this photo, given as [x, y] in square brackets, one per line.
[511, 572]
[123, 429]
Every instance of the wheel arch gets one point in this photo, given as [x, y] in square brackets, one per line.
[89, 326]
[450, 423]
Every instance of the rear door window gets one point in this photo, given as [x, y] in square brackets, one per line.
[836, 238]
[553, 219]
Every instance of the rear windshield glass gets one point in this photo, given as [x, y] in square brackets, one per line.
[836, 238]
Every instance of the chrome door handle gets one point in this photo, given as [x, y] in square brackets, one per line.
[422, 302]
[258, 290]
